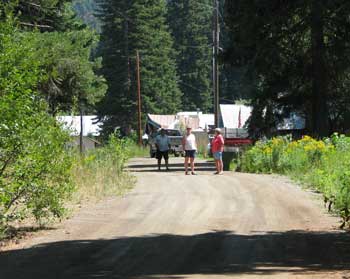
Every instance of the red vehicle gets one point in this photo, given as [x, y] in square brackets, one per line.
[235, 141]
[235, 138]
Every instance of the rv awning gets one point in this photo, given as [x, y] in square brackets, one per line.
[161, 121]
[235, 116]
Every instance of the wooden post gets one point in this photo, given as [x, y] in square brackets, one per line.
[81, 138]
[139, 97]
[216, 79]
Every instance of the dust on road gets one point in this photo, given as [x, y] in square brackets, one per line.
[184, 227]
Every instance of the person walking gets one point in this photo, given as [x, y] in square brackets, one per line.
[163, 146]
[190, 146]
[217, 147]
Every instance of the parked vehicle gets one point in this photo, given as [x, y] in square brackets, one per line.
[235, 139]
[175, 138]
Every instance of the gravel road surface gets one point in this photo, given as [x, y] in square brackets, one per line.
[176, 226]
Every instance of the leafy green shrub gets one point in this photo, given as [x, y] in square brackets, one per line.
[40, 72]
[34, 163]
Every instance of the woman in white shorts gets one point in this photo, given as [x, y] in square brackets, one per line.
[190, 147]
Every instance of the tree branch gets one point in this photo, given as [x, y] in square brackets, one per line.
[14, 199]
[34, 5]
[5, 165]
[36, 25]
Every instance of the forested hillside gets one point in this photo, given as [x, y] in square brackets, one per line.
[86, 10]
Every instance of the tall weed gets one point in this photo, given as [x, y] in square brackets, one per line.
[99, 173]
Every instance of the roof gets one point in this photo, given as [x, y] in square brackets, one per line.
[205, 120]
[174, 121]
[189, 121]
[196, 120]
[231, 115]
[162, 121]
[189, 113]
[90, 126]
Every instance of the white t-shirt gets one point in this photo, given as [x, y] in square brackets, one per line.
[190, 142]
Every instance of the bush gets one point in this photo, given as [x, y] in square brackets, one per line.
[34, 164]
[323, 165]
[40, 72]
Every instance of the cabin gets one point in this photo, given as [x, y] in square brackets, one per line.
[91, 130]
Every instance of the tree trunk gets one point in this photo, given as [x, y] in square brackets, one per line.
[320, 78]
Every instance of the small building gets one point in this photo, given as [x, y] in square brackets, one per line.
[89, 143]
[91, 130]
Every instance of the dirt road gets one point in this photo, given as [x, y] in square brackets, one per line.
[177, 226]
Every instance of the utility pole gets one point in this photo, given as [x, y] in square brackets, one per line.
[81, 135]
[216, 44]
[139, 122]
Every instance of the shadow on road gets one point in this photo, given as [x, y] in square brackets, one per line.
[219, 253]
[174, 167]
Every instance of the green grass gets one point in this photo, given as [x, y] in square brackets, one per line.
[96, 180]
[137, 151]
[99, 173]
[202, 155]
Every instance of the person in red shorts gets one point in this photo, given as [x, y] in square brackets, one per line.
[217, 147]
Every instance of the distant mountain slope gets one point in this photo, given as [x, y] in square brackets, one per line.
[85, 10]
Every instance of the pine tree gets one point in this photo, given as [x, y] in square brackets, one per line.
[128, 26]
[46, 15]
[298, 51]
[191, 24]
[63, 50]
[233, 84]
